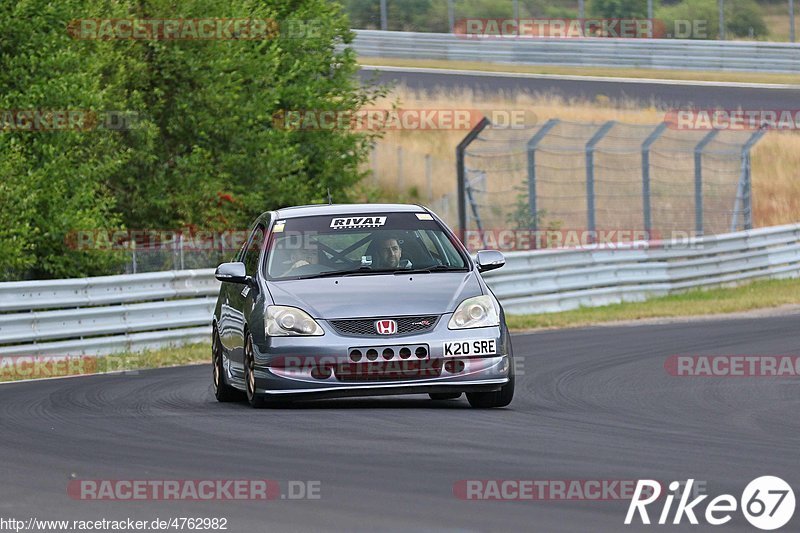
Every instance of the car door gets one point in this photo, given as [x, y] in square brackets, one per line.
[241, 297]
[227, 315]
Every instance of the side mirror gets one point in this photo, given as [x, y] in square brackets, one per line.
[232, 273]
[490, 260]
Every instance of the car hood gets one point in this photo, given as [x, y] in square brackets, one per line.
[377, 295]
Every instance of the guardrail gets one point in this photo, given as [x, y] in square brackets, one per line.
[559, 280]
[106, 314]
[590, 52]
[128, 313]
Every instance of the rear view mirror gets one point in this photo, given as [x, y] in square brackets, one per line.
[490, 260]
[231, 272]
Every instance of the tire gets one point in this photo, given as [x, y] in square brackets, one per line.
[254, 399]
[222, 391]
[487, 400]
[501, 398]
[445, 395]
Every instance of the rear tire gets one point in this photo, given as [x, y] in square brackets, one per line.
[222, 391]
[445, 395]
[254, 399]
[487, 400]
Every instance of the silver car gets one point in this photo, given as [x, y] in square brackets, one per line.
[359, 300]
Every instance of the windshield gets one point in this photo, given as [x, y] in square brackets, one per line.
[365, 244]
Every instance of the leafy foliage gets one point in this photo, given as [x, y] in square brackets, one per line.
[204, 151]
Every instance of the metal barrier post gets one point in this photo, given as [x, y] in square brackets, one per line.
[656, 133]
[744, 190]
[698, 181]
[590, 146]
[532, 143]
[460, 151]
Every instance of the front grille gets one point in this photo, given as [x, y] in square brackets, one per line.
[365, 327]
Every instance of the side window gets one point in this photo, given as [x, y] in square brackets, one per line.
[254, 245]
[426, 240]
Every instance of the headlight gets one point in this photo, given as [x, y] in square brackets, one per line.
[477, 312]
[285, 321]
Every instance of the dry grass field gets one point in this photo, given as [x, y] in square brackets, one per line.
[403, 172]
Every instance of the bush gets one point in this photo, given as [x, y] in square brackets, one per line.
[618, 9]
[679, 18]
[744, 17]
[740, 17]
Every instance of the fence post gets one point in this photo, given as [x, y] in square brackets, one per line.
[180, 243]
[590, 146]
[532, 144]
[744, 190]
[652, 138]
[476, 214]
[384, 17]
[698, 181]
[429, 177]
[133, 256]
[451, 15]
[374, 164]
[460, 171]
[399, 169]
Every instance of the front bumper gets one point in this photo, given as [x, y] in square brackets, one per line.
[321, 366]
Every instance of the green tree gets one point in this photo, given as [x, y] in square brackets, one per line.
[53, 182]
[205, 151]
[744, 19]
[618, 9]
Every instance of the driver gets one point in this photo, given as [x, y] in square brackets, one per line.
[389, 253]
[302, 257]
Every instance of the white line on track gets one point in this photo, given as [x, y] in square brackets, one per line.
[132, 371]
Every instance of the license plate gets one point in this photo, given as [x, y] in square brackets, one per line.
[480, 347]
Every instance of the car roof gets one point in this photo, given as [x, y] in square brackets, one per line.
[346, 209]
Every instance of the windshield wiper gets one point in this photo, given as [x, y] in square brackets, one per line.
[334, 273]
[428, 270]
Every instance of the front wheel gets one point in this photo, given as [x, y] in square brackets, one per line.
[501, 398]
[254, 399]
[222, 391]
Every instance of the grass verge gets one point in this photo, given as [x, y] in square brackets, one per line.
[755, 295]
[14, 368]
[605, 72]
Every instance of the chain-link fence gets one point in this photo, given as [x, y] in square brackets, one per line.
[178, 253]
[654, 180]
[406, 172]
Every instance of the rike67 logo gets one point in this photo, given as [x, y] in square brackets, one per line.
[767, 503]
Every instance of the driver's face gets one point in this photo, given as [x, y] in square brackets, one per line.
[304, 254]
[390, 253]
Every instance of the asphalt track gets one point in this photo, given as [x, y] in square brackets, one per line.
[591, 403]
[650, 92]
